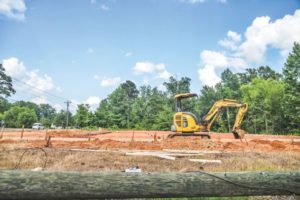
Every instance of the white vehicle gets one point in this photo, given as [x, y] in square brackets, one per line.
[37, 126]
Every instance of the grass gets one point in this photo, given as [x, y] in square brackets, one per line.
[59, 160]
[117, 161]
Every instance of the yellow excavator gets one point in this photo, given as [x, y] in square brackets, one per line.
[187, 124]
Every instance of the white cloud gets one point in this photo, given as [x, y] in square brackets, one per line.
[263, 33]
[40, 100]
[93, 1]
[17, 70]
[14, 67]
[232, 41]
[90, 50]
[146, 68]
[239, 53]
[164, 75]
[14, 9]
[57, 107]
[128, 54]
[207, 75]
[104, 7]
[213, 60]
[92, 101]
[107, 82]
[42, 82]
[29, 82]
[222, 1]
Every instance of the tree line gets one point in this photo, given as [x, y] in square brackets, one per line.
[273, 99]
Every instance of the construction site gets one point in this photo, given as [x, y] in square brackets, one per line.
[151, 151]
[111, 99]
[190, 147]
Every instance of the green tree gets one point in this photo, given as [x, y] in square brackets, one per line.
[60, 119]
[6, 87]
[116, 109]
[47, 114]
[264, 72]
[291, 78]
[264, 98]
[30, 105]
[248, 75]
[26, 118]
[82, 115]
[174, 86]
[4, 105]
[103, 115]
[229, 88]
[18, 116]
[151, 110]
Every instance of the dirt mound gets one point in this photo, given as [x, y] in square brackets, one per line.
[76, 133]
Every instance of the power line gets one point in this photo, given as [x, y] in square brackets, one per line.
[35, 94]
[45, 92]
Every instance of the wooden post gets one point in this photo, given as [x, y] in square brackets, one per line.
[22, 132]
[2, 130]
[46, 135]
[48, 142]
[155, 137]
[16, 184]
[132, 137]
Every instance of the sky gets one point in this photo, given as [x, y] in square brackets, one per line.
[59, 50]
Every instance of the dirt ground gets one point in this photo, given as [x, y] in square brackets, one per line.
[102, 150]
[150, 140]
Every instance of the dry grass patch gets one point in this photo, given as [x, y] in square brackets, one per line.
[66, 160]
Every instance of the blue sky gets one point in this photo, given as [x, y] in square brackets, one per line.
[81, 50]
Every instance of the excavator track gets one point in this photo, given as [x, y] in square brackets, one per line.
[203, 135]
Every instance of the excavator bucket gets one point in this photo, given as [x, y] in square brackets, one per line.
[239, 133]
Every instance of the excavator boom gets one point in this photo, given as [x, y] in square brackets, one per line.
[213, 114]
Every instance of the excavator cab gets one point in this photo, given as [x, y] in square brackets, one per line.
[187, 124]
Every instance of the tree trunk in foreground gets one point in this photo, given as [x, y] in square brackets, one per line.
[75, 185]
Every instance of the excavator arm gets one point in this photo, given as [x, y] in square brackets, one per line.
[213, 114]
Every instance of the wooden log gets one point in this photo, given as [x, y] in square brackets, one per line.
[206, 161]
[166, 157]
[155, 154]
[74, 185]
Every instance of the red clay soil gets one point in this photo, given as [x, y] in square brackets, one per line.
[129, 135]
[175, 143]
[150, 140]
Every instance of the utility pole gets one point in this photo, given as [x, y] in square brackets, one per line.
[67, 118]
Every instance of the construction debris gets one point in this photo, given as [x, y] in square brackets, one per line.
[206, 161]
[135, 169]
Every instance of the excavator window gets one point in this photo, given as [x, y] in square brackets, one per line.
[185, 122]
[178, 120]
